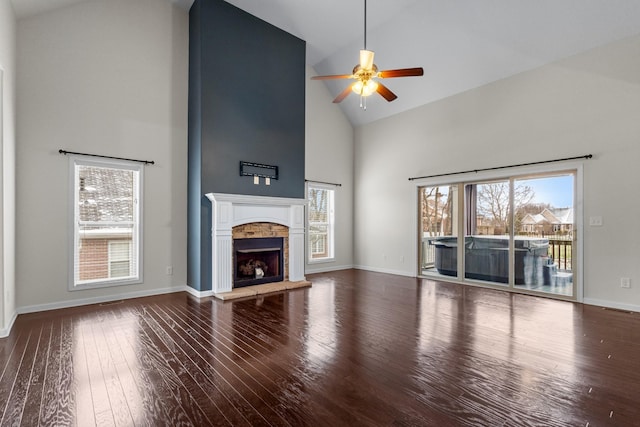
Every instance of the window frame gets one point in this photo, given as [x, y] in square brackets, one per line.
[76, 161]
[511, 173]
[331, 208]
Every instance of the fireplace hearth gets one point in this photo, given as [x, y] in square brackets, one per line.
[257, 261]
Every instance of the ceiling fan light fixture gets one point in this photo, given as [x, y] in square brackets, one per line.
[366, 59]
[365, 72]
[365, 88]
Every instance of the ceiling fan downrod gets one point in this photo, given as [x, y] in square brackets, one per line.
[363, 99]
[365, 24]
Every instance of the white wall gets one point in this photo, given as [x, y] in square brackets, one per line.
[104, 77]
[589, 103]
[329, 158]
[7, 166]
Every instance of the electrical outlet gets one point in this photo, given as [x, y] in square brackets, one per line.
[625, 282]
[169, 270]
[595, 221]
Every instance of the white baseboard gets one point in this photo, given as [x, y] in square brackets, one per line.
[6, 331]
[385, 270]
[611, 304]
[98, 300]
[311, 269]
[199, 294]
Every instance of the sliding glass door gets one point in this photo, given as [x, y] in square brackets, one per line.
[516, 232]
[545, 228]
[487, 225]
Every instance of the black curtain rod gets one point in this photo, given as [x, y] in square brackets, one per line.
[588, 156]
[321, 182]
[146, 162]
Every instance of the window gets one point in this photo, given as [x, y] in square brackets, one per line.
[321, 222]
[515, 232]
[106, 244]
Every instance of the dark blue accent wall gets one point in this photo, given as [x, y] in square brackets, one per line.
[194, 191]
[246, 103]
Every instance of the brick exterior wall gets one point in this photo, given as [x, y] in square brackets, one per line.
[94, 259]
[265, 229]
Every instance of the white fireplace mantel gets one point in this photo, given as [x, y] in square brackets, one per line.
[231, 210]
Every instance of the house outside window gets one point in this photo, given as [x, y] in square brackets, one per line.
[321, 223]
[106, 247]
[120, 258]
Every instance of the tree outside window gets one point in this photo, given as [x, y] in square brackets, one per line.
[321, 223]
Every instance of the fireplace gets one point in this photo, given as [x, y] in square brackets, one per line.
[259, 260]
[235, 216]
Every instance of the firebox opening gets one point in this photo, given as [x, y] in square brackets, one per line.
[258, 260]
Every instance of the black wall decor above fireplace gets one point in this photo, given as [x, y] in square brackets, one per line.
[257, 261]
[258, 169]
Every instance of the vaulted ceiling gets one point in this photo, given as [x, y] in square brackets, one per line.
[461, 44]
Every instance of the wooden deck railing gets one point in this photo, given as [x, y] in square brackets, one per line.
[560, 250]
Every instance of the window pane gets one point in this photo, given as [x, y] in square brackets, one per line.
[544, 227]
[439, 219]
[318, 239]
[96, 251]
[105, 194]
[320, 227]
[318, 205]
[487, 224]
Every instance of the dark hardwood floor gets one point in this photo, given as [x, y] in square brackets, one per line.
[356, 349]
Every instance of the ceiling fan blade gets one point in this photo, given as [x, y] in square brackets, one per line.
[342, 95]
[385, 92]
[335, 76]
[403, 72]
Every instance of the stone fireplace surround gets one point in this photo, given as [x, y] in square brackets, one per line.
[231, 210]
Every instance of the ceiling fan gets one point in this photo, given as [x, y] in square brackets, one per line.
[365, 74]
